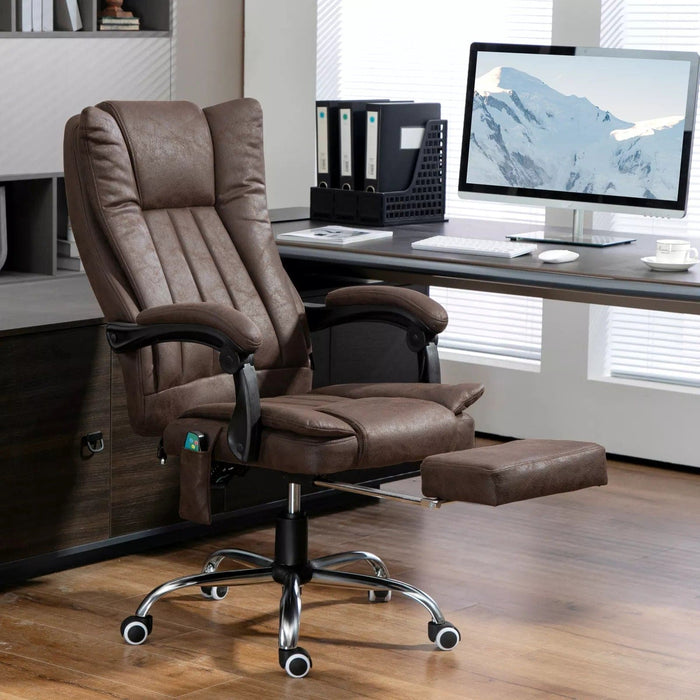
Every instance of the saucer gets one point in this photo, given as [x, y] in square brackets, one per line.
[668, 267]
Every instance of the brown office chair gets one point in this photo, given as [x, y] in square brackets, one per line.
[169, 211]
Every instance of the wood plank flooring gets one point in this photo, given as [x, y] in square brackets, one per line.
[594, 594]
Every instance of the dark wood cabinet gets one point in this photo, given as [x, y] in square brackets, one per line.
[54, 492]
[144, 493]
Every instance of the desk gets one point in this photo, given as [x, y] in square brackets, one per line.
[615, 276]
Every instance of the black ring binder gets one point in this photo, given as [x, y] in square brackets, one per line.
[422, 202]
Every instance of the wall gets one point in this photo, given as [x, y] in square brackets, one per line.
[208, 51]
[47, 80]
[280, 72]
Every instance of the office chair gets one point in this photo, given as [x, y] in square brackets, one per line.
[168, 206]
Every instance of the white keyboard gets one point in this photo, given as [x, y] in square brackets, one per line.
[475, 246]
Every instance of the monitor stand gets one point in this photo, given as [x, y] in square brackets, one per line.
[575, 237]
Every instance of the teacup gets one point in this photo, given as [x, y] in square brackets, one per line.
[675, 250]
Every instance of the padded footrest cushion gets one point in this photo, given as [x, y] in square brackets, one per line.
[513, 471]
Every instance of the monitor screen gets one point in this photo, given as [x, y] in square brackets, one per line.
[586, 128]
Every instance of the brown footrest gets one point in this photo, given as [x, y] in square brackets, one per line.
[513, 471]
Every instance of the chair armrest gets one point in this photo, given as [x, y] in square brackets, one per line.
[420, 306]
[222, 328]
[232, 323]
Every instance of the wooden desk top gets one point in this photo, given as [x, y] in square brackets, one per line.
[614, 275]
[600, 276]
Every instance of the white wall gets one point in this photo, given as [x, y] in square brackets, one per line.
[45, 81]
[208, 51]
[280, 72]
[560, 401]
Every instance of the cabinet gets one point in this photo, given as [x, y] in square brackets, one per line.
[36, 215]
[54, 492]
[154, 15]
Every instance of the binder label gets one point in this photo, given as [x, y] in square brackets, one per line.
[345, 142]
[322, 139]
[372, 141]
[412, 137]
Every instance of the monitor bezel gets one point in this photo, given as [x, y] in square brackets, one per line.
[581, 200]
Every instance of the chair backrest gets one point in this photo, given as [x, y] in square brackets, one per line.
[168, 205]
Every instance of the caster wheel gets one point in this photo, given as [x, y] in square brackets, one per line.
[135, 629]
[296, 662]
[379, 596]
[446, 636]
[215, 592]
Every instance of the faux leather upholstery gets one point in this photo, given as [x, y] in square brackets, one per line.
[218, 316]
[152, 240]
[514, 471]
[426, 309]
[321, 433]
[169, 210]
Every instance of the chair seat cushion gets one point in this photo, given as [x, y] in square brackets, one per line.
[321, 433]
[456, 397]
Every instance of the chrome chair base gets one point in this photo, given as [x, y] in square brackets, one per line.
[292, 569]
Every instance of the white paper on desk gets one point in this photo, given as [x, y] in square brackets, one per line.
[336, 235]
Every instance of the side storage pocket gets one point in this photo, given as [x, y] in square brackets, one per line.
[195, 483]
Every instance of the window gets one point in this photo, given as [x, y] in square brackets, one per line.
[655, 346]
[398, 49]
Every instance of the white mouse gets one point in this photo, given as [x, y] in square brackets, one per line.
[558, 256]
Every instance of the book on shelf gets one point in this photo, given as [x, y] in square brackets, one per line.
[119, 24]
[335, 235]
[68, 249]
[113, 28]
[67, 263]
[67, 15]
[46, 15]
[24, 15]
[36, 15]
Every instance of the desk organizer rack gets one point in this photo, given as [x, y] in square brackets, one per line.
[422, 202]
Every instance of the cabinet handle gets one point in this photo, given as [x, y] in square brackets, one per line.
[94, 442]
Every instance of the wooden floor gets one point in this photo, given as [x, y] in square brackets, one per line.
[594, 594]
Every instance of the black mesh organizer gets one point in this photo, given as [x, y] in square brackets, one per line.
[423, 201]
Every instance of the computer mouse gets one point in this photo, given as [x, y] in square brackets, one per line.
[558, 256]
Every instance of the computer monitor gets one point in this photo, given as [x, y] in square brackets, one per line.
[580, 128]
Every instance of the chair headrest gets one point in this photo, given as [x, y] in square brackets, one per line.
[171, 151]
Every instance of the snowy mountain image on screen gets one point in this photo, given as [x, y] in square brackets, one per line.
[526, 134]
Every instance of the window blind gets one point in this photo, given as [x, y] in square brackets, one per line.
[654, 345]
[398, 49]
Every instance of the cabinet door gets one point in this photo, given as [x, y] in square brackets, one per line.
[145, 494]
[54, 493]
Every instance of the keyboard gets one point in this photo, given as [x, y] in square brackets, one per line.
[475, 246]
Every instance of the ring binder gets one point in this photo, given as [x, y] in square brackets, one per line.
[422, 202]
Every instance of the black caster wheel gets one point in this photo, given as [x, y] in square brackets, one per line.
[446, 636]
[379, 596]
[296, 662]
[215, 592]
[135, 629]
